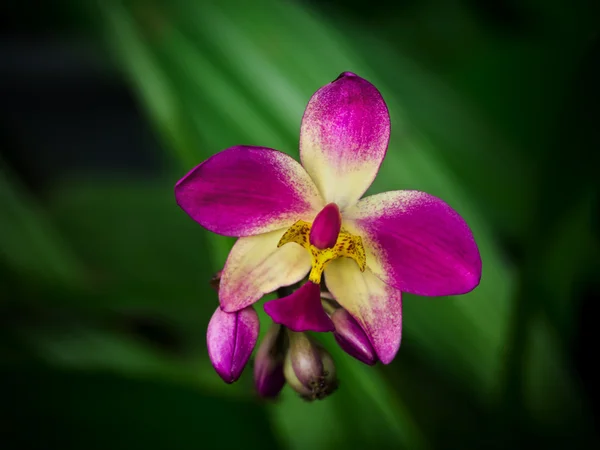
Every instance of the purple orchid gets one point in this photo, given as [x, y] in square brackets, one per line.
[294, 220]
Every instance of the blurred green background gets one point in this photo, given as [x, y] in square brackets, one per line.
[104, 294]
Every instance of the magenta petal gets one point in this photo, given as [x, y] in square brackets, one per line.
[243, 191]
[416, 243]
[301, 311]
[230, 339]
[344, 137]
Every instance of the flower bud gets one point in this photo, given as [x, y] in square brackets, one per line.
[308, 368]
[352, 338]
[326, 227]
[268, 364]
[230, 339]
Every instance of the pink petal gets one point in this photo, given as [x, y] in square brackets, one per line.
[301, 311]
[255, 267]
[416, 243]
[244, 191]
[344, 137]
[230, 339]
[376, 306]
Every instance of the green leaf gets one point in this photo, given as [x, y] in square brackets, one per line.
[75, 410]
[145, 253]
[29, 241]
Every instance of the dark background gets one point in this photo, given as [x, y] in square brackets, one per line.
[104, 294]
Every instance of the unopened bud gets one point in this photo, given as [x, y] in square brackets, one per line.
[268, 363]
[308, 368]
[352, 338]
[326, 227]
[230, 339]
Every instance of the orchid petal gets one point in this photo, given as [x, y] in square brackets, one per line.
[376, 306]
[344, 137]
[415, 242]
[230, 339]
[255, 267]
[244, 191]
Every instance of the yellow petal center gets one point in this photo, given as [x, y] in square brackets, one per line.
[347, 245]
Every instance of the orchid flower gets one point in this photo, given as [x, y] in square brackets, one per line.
[294, 220]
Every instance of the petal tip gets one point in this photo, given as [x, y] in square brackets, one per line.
[346, 74]
[387, 359]
[471, 281]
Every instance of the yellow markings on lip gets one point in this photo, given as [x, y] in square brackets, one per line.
[297, 233]
[347, 245]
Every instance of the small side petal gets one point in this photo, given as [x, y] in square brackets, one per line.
[255, 267]
[376, 306]
[344, 137]
[416, 243]
[244, 191]
[230, 339]
[301, 310]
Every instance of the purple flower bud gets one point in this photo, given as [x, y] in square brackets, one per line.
[351, 337]
[268, 364]
[326, 227]
[230, 339]
[308, 368]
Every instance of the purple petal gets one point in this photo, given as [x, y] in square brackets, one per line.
[376, 306]
[344, 137]
[416, 243]
[255, 267]
[352, 338]
[326, 227]
[230, 339]
[244, 191]
[301, 311]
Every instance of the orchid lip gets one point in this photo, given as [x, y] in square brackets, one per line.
[301, 311]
